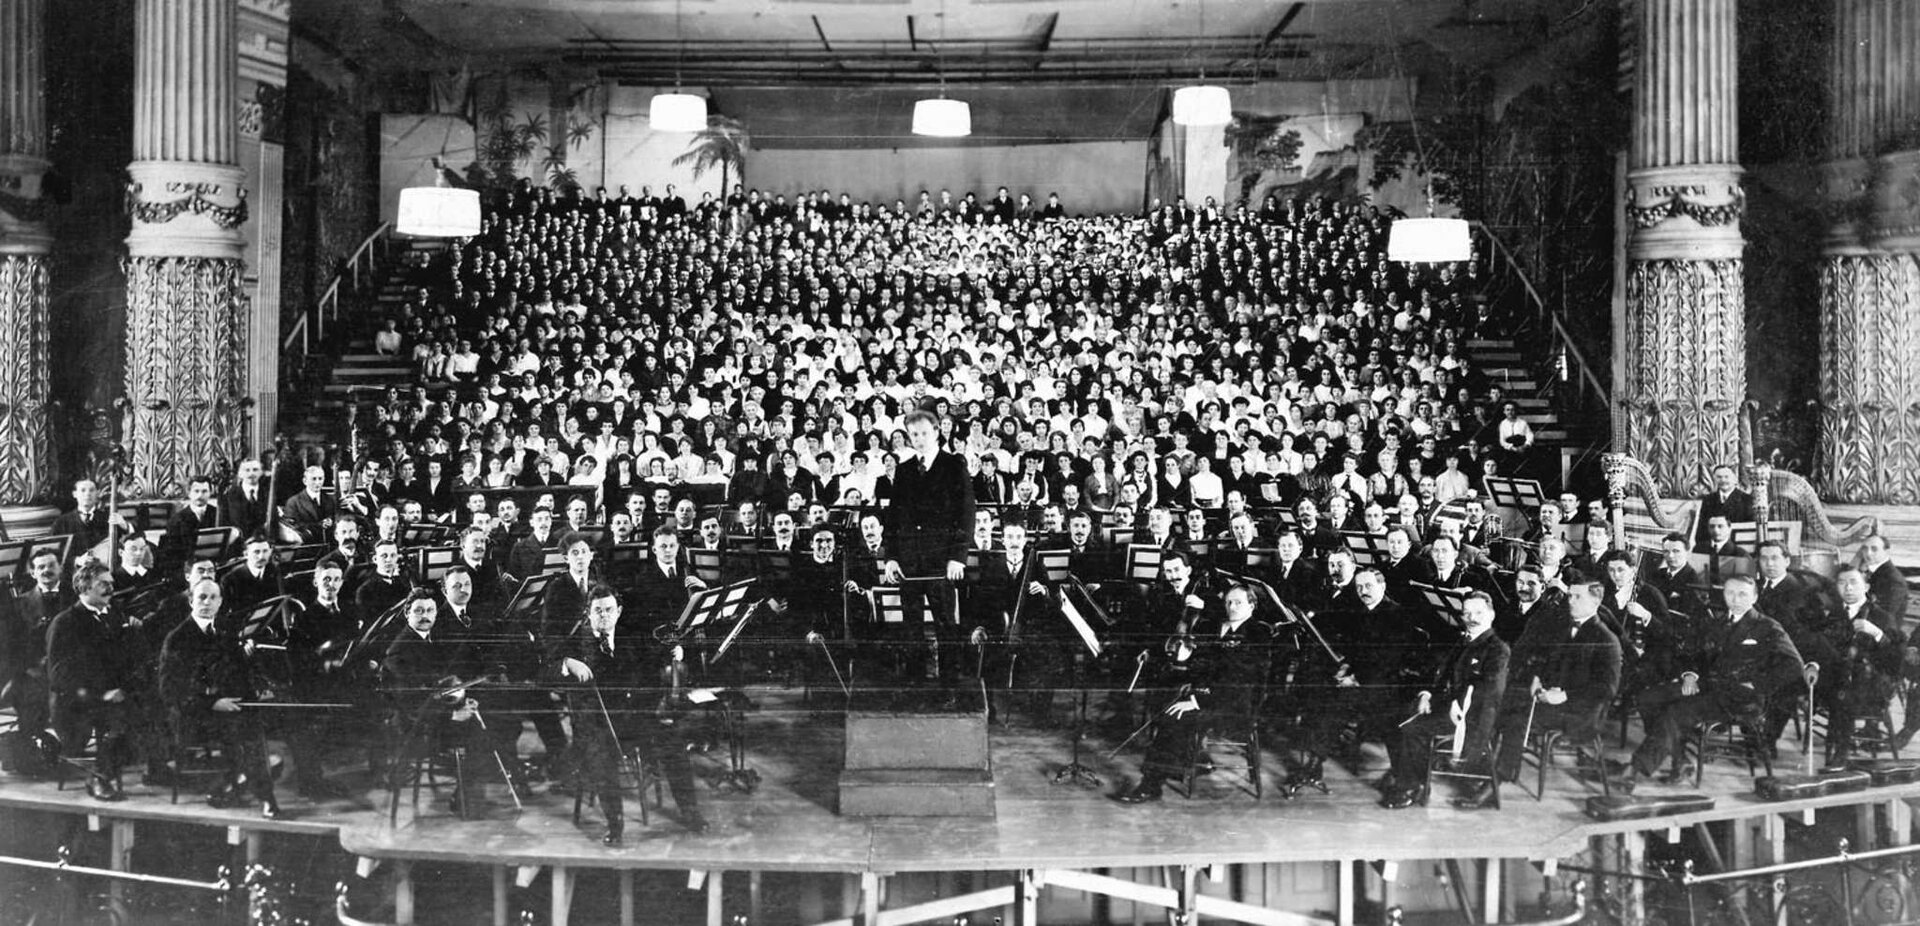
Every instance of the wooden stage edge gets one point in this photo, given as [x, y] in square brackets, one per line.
[788, 824]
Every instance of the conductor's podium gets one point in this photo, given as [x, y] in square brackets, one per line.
[917, 763]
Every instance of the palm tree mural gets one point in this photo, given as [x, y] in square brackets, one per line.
[722, 144]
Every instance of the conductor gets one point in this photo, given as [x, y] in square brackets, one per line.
[930, 520]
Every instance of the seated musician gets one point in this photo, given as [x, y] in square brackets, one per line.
[318, 634]
[709, 537]
[1240, 536]
[1870, 670]
[622, 705]
[1717, 543]
[1401, 568]
[1744, 661]
[1295, 578]
[1469, 682]
[204, 677]
[1564, 675]
[1225, 661]
[1795, 601]
[24, 618]
[135, 569]
[257, 579]
[89, 522]
[388, 585]
[91, 671]
[1081, 537]
[491, 584]
[1381, 643]
[198, 514]
[309, 514]
[425, 674]
[992, 605]
[1673, 576]
[1651, 638]
[1443, 566]
[501, 651]
[1319, 536]
[529, 555]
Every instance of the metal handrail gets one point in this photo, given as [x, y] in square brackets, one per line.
[327, 307]
[1844, 857]
[220, 885]
[1561, 335]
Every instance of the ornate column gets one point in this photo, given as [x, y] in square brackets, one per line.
[186, 299]
[25, 456]
[1686, 361]
[1870, 281]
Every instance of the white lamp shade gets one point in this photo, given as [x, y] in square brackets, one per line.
[1429, 241]
[438, 212]
[677, 112]
[942, 118]
[1206, 105]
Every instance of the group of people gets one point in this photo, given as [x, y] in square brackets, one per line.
[767, 349]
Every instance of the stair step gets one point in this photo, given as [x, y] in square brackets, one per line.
[360, 372]
[917, 792]
[1492, 343]
[1497, 357]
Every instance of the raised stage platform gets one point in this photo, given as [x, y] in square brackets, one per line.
[1045, 833]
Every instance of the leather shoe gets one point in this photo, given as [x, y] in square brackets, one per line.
[269, 809]
[1479, 797]
[103, 789]
[694, 822]
[1140, 794]
[1402, 798]
[1387, 784]
[226, 798]
[616, 829]
[1681, 775]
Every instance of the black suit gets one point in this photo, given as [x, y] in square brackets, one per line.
[1865, 679]
[641, 714]
[1227, 671]
[89, 655]
[1737, 506]
[87, 529]
[1582, 661]
[176, 544]
[198, 667]
[1475, 670]
[1742, 663]
[236, 511]
[930, 523]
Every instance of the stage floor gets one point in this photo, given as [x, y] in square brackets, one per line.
[789, 824]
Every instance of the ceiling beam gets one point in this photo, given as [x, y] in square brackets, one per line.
[822, 33]
[1286, 19]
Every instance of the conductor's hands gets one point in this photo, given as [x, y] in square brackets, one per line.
[890, 572]
[227, 706]
[575, 669]
[1182, 707]
[956, 570]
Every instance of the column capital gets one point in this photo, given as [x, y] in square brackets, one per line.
[1686, 212]
[1894, 201]
[186, 209]
[23, 227]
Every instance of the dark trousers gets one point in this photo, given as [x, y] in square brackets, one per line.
[75, 722]
[1574, 718]
[1412, 750]
[1325, 712]
[597, 756]
[949, 652]
[242, 741]
[1176, 740]
[1669, 715]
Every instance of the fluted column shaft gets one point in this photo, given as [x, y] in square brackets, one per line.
[1686, 306]
[1870, 283]
[25, 454]
[186, 304]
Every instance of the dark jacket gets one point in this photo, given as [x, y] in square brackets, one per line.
[930, 521]
[88, 655]
[1746, 660]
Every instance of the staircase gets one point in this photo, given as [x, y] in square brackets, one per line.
[347, 370]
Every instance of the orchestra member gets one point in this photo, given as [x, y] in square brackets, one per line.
[91, 667]
[205, 677]
[1470, 683]
[933, 507]
[1563, 676]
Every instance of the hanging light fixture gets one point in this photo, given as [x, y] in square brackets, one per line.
[438, 211]
[940, 117]
[1207, 104]
[1428, 240]
[678, 111]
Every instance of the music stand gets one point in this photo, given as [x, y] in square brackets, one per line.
[213, 542]
[1054, 565]
[554, 561]
[1445, 602]
[430, 563]
[777, 564]
[1369, 550]
[743, 543]
[712, 605]
[1289, 519]
[420, 535]
[144, 515]
[890, 601]
[706, 564]
[14, 559]
[1522, 495]
[1456, 511]
[1121, 536]
[1077, 604]
[1143, 562]
[527, 599]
